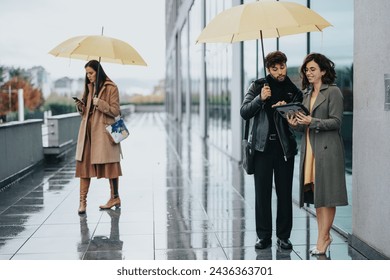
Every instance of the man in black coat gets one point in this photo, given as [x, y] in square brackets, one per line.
[275, 149]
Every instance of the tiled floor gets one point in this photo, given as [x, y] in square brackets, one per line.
[181, 199]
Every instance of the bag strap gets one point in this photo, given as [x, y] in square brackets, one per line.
[246, 131]
[117, 118]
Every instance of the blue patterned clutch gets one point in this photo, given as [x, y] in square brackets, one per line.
[118, 130]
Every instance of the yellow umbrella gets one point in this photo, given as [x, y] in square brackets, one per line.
[101, 48]
[261, 19]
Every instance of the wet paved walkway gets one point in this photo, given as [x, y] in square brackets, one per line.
[181, 199]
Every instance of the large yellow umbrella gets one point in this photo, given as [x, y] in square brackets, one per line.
[101, 48]
[261, 19]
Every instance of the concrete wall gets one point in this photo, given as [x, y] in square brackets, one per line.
[62, 132]
[20, 148]
[371, 134]
[63, 128]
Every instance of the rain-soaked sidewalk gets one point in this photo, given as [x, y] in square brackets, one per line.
[181, 199]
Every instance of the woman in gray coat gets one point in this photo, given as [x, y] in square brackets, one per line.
[322, 175]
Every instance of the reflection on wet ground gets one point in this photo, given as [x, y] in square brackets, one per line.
[181, 199]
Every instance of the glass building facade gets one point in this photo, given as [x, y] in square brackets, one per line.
[200, 77]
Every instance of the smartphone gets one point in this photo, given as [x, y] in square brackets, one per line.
[76, 99]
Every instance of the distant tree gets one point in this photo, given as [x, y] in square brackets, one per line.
[33, 97]
[1, 74]
[18, 73]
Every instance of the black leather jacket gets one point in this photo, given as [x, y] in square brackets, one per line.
[252, 106]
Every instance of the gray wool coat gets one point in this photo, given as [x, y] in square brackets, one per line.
[328, 148]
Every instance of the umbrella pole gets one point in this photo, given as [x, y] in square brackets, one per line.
[97, 74]
[257, 59]
[262, 51]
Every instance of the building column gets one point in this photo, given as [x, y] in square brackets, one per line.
[237, 96]
[236, 101]
[203, 92]
[371, 129]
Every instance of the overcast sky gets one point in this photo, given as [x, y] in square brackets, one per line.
[29, 29]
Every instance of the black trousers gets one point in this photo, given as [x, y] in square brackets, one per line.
[271, 163]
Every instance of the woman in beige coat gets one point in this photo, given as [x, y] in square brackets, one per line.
[96, 155]
[322, 175]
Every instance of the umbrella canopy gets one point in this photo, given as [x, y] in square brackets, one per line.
[272, 19]
[101, 48]
[261, 19]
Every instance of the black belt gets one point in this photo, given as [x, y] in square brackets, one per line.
[273, 137]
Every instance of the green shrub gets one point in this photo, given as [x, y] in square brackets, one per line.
[59, 108]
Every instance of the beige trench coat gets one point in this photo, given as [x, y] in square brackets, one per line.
[102, 149]
[328, 148]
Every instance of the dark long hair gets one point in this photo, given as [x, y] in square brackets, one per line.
[324, 63]
[101, 76]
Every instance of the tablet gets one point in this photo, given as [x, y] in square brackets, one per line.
[291, 109]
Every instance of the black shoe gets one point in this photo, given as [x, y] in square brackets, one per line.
[284, 244]
[263, 243]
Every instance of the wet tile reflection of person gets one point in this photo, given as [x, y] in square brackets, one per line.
[85, 236]
[283, 254]
[323, 257]
[103, 247]
[264, 254]
[267, 254]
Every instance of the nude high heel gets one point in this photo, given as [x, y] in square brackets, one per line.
[315, 251]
